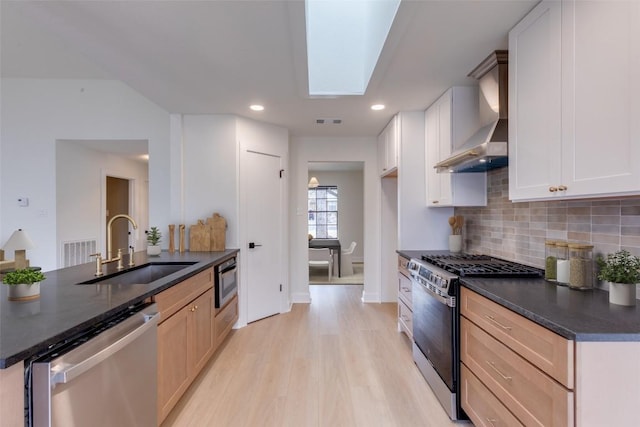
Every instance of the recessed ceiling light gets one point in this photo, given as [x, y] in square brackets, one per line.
[256, 107]
[377, 107]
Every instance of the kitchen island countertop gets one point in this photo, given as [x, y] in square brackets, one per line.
[65, 308]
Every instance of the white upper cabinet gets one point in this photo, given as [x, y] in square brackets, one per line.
[535, 133]
[388, 142]
[449, 122]
[575, 101]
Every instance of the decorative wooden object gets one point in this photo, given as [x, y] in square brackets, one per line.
[181, 227]
[218, 227]
[209, 236]
[199, 237]
[172, 238]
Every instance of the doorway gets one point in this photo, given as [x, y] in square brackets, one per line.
[348, 180]
[265, 192]
[118, 203]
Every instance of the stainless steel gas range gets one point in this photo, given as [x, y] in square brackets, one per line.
[435, 279]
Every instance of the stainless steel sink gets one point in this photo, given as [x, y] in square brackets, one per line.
[142, 274]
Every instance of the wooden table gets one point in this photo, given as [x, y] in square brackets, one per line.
[332, 244]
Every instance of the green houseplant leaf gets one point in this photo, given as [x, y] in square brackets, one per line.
[154, 236]
[26, 276]
[619, 267]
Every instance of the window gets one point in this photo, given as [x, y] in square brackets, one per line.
[323, 212]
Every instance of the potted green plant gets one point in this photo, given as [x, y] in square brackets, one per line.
[154, 237]
[622, 270]
[24, 284]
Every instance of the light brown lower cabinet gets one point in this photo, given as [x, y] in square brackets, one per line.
[185, 343]
[481, 405]
[514, 372]
[190, 331]
[225, 319]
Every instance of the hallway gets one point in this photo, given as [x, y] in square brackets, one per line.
[335, 362]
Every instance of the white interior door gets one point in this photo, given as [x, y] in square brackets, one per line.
[264, 232]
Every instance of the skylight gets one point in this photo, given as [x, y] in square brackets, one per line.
[344, 41]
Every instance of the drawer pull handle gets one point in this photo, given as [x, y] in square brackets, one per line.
[492, 421]
[406, 289]
[493, 320]
[504, 377]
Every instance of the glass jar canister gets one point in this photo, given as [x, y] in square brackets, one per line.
[580, 266]
[550, 258]
[562, 271]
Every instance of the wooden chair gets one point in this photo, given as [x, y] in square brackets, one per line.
[321, 258]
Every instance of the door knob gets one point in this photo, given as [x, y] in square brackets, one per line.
[253, 245]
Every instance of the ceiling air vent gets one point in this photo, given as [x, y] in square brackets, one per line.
[328, 121]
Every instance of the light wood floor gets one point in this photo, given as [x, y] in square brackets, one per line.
[334, 362]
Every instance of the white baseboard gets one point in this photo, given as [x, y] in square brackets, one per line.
[370, 297]
[301, 298]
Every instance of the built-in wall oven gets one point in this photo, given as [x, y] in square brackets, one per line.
[435, 279]
[226, 281]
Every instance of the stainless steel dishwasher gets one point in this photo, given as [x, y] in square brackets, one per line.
[103, 377]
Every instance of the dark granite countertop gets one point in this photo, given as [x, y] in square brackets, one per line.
[65, 308]
[410, 254]
[573, 314]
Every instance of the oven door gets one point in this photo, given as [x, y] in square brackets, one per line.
[434, 324]
[226, 283]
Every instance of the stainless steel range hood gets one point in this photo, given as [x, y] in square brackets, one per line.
[488, 147]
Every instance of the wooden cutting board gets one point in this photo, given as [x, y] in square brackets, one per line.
[199, 237]
[218, 229]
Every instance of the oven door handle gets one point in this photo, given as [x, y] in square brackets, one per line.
[228, 272]
[448, 301]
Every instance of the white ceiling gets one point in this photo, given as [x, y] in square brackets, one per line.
[212, 57]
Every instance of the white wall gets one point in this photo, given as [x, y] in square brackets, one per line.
[80, 175]
[350, 206]
[35, 113]
[309, 149]
[210, 183]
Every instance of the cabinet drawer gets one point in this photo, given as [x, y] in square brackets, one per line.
[405, 317]
[225, 319]
[484, 409]
[404, 290]
[177, 296]
[532, 396]
[403, 265]
[543, 348]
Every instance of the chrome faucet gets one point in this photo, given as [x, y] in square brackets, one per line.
[109, 242]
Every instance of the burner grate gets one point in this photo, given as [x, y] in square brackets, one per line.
[472, 265]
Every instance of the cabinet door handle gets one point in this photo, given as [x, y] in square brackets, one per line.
[553, 189]
[435, 202]
[504, 377]
[493, 320]
[406, 289]
[562, 188]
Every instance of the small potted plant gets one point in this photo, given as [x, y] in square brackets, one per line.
[622, 271]
[24, 284]
[153, 241]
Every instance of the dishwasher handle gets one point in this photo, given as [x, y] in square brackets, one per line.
[66, 372]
